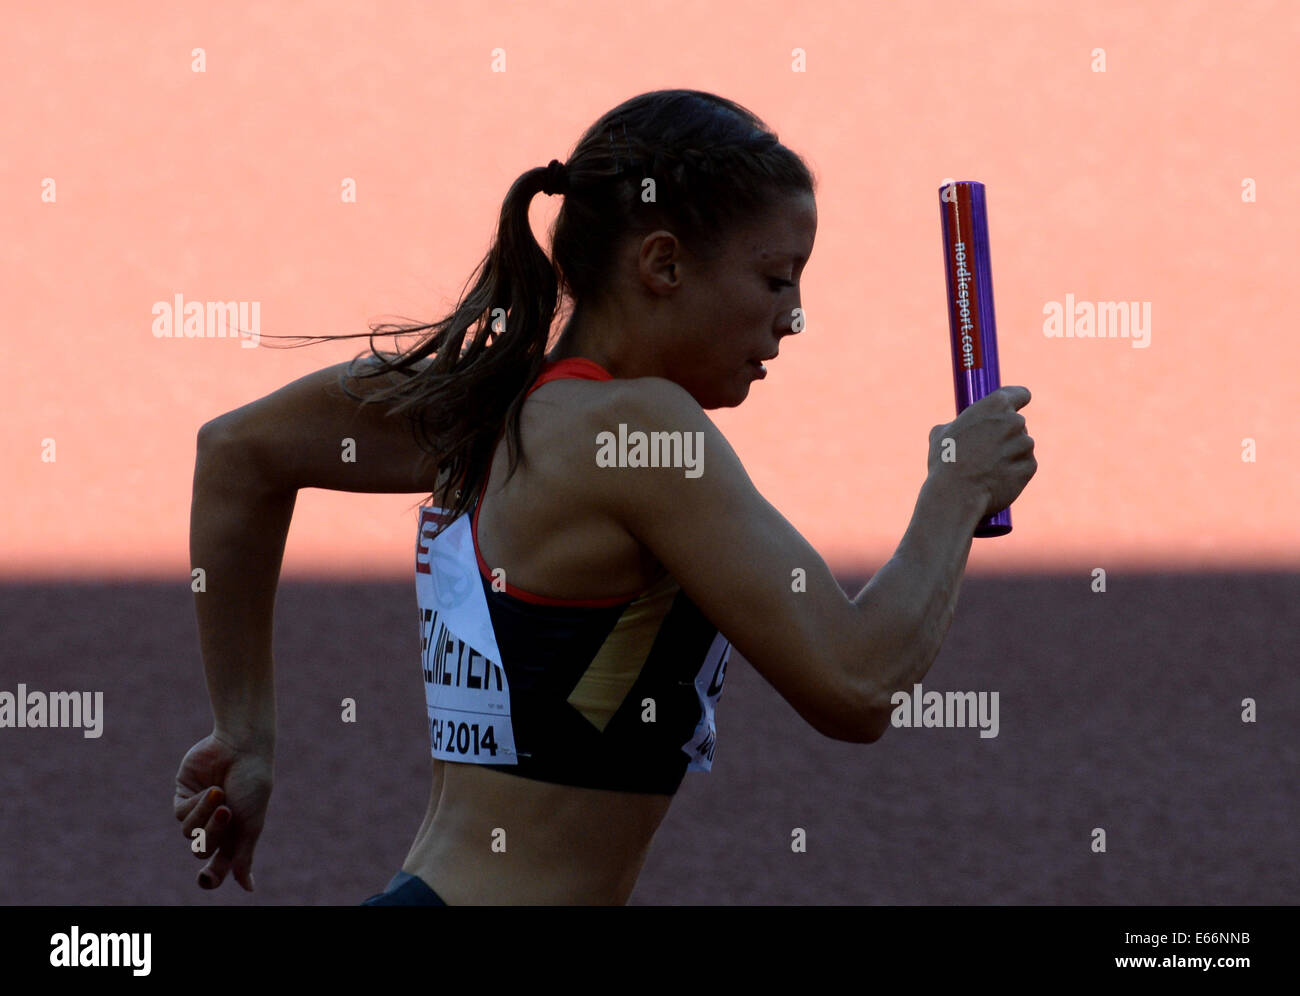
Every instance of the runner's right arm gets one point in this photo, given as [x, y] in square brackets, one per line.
[250, 465]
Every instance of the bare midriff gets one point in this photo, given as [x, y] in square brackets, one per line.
[490, 837]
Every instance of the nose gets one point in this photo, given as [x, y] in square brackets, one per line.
[794, 323]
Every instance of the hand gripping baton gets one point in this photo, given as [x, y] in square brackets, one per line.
[972, 327]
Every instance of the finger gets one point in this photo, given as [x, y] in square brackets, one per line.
[184, 800]
[201, 812]
[214, 832]
[214, 872]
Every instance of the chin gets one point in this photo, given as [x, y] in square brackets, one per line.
[725, 401]
[713, 394]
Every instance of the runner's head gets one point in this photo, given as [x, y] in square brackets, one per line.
[683, 233]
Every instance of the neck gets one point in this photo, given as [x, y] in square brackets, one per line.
[623, 346]
[584, 338]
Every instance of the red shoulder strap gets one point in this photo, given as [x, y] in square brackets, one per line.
[574, 366]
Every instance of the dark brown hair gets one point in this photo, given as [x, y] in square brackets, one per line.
[713, 163]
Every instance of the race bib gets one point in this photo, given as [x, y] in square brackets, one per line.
[708, 686]
[465, 687]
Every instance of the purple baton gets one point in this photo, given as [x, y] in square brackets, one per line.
[971, 324]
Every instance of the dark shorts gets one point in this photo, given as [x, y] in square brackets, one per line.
[405, 890]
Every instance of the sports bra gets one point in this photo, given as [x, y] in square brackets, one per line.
[610, 693]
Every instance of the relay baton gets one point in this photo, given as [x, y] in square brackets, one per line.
[971, 324]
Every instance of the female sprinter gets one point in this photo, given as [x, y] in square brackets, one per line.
[578, 607]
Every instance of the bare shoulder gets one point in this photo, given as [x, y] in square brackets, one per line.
[573, 413]
[648, 404]
[733, 554]
[648, 395]
[650, 429]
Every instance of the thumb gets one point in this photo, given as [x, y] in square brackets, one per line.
[245, 878]
[1017, 395]
[241, 865]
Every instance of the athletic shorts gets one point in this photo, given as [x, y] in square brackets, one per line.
[405, 890]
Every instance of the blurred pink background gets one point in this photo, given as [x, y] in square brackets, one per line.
[225, 185]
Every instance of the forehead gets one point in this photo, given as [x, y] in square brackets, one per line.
[785, 233]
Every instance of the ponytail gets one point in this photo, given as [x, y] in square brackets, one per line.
[683, 160]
